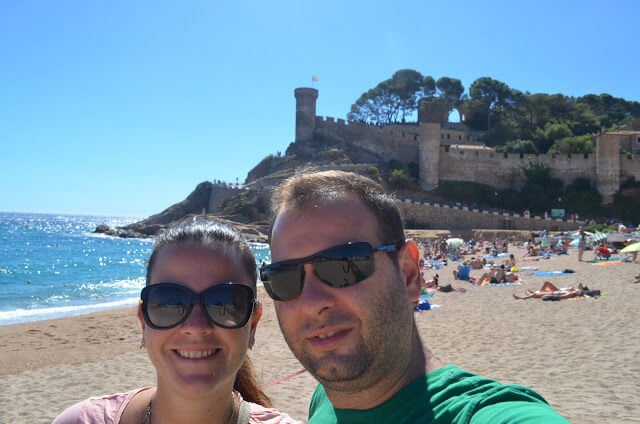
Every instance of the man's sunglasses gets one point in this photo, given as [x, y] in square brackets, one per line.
[167, 305]
[338, 266]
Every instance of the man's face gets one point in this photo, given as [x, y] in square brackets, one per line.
[348, 338]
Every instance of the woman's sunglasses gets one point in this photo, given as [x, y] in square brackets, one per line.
[167, 305]
[338, 266]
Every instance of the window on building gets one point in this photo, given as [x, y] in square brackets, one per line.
[459, 137]
[638, 139]
[441, 135]
[448, 136]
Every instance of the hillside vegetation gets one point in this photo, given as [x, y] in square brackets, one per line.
[509, 119]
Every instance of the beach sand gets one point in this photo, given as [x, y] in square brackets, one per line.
[581, 355]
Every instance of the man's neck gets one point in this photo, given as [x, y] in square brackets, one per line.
[421, 363]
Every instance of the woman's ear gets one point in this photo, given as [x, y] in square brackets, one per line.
[140, 317]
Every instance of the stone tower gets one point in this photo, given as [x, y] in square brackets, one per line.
[607, 165]
[305, 113]
[429, 155]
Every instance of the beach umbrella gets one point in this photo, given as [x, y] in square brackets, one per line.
[575, 242]
[454, 242]
[635, 247]
[597, 237]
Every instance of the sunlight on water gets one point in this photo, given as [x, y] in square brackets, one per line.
[54, 265]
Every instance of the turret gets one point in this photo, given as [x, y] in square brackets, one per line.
[429, 155]
[607, 165]
[305, 113]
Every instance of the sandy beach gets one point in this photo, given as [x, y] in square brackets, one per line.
[581, 355]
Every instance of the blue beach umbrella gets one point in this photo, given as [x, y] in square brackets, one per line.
[575, 242]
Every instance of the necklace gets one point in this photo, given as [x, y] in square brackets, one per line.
[234, 410]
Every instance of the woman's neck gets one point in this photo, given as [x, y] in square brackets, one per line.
[211, 408]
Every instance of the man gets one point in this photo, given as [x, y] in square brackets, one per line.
[343, 279]
[603, 252]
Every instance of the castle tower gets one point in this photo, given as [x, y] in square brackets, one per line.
[607, 165]
[305, 113]
[429, 155]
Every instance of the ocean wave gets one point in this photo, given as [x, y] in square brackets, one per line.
[28, 315]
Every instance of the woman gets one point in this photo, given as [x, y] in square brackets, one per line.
[198, 314]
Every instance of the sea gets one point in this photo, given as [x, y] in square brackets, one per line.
[54, 266]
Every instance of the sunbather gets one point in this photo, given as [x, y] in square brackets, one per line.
[549, 289]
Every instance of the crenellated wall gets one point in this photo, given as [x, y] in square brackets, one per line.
[449, 153]
[389, 142]
[433, 215]
[486, 166]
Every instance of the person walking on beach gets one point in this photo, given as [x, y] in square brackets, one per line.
[343, 279]
[582, 243]
[198, 313]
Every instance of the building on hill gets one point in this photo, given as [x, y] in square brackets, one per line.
[446, 151]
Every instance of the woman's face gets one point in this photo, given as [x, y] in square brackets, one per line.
[198, 356]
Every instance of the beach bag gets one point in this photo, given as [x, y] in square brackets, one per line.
[424, 305]
[446, 289]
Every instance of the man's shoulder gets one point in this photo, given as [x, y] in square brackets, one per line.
[446, 395]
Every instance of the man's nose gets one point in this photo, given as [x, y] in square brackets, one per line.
[316, 295]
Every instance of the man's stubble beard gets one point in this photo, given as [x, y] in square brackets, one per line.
[377, 351]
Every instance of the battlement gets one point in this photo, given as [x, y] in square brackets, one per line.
[435, 215]
[450, 151]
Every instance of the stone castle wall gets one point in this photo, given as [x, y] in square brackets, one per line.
[486, 166]
[398, 142]
[448, 152]
[433, 215]
[629, 167]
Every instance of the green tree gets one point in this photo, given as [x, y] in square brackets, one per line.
[492, 98]
[518, 146]
[582, 197]
[393, 99]
[573, 145]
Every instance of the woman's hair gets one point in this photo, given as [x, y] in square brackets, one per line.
[217, 235]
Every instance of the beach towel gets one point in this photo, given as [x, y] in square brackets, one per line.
[529, 268]
[499, 255]
[618, 258]
[550, 273]
[514, 283]
[609, 263]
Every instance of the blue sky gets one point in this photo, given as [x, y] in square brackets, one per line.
[122, 108]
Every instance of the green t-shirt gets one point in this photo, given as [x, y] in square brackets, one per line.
[446, 395]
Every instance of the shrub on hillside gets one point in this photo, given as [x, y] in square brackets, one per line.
[373, 172]
[399, 179]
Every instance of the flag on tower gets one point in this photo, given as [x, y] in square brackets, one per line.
[314, 78]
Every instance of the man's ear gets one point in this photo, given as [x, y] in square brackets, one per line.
[409, 268]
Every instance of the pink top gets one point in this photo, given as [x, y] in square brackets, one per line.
[108, 410]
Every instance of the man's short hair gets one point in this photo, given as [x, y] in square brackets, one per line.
[305, 189]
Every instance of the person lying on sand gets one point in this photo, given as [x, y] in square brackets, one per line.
[549, 289]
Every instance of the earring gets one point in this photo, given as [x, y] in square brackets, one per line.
[142, 343]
